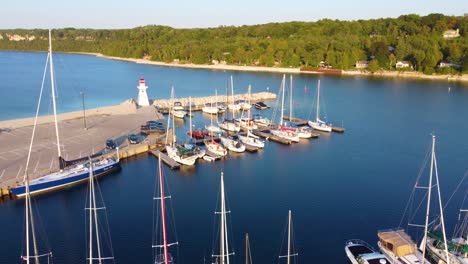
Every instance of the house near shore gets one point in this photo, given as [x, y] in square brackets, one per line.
[403, 65]
[362, 64]
[448, 64]
[450, 34]
[323, 65]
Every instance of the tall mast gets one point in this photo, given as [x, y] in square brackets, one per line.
[27, 218]
[290, 99]
[318, 101]
[232, 98]
[90, 219]
[429, 192]
[223, 211]
[53, 93]
[289, 237]
[190, 117]
[440, 206]
[163, 212]
[246, 248]
[250, 99]
[282, 100]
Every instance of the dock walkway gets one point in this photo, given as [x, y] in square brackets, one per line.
[164, 158]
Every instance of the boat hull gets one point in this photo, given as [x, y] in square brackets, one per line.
[319, 127]
[70, 179]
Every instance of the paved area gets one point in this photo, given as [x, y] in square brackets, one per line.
[75, 142]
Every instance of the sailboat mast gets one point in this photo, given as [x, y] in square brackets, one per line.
[291, 99]
[190, 117]
[96, 223]
[423, 244]
[441, 208]
[27, 218]
[90, 221]
[289, 237]
[318, 101]
[163, 212]
[52, 82]
[246, 248]
[282, 100]
[223, 211]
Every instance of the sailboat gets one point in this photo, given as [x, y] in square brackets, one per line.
[360, 252]
[230, 124]
[95, 226]
[195, 134]
[246, 122]
[224, 254]
[286, 134]
[397, 245]
[177, 108]
[233, 143]
[302, 132]
[290, 246]
[233, 105]
[176, 152]
[211, 108]
[161, 244]
[318, 124]
[30, 230]
[214, 128]
[69, 173]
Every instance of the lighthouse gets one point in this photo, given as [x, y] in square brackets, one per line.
[142, 96]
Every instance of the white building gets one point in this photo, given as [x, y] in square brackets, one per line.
[142, 95]
[448, 64]
[362, 64]
[449, 34]
[403, 64]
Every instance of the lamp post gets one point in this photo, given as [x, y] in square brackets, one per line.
[84, 111]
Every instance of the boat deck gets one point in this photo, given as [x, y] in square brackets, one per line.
[357, 250]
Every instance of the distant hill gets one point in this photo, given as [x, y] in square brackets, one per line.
[422, 41]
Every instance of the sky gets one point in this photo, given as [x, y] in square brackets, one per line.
[206, 13]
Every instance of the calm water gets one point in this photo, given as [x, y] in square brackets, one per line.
[338, 187]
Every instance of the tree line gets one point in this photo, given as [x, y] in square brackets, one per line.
[383, 42]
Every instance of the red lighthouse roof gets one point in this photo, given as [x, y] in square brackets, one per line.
[142, 80]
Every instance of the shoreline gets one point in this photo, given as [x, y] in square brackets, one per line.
[350, 73]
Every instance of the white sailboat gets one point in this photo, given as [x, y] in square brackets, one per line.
[224, 255]
[211, 108]
[69, 173]
[252, 140]
[246, 122]
[290, 242]
[232, 143]
[302, 132]
[177, 110]
[194, 134]
[95, 226]
[318, 124]
[178, 153]
[161, 245]
[211, 128]
[397, 246]
[230, 124]
[233, 105]
[288, 135]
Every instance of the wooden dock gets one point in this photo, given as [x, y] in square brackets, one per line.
[338, 129]
[271, 137]
[296, 121]
[250, 148]
[168, 161]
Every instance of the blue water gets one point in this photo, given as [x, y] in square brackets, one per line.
[338, 187]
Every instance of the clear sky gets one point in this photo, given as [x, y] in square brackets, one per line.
[206, 13]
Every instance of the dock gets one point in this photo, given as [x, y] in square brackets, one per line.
[338, 129]
[164, 158]
[296, 121]
[268, 136]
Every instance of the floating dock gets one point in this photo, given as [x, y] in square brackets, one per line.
[338, 129]
[271, 137]
[164, 158]
[296, 121]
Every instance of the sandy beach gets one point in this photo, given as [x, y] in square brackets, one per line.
[224, 67]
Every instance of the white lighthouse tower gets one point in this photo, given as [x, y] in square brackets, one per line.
[142, 95]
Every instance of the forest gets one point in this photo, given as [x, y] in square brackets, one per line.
[340, 44]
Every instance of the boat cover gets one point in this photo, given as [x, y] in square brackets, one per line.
[398, 242]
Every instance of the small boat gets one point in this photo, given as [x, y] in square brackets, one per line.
[243, 104]
[360, 252]
[181, 155]
[233, 106]
[178, 106]
[232, 143]
[221, 108]
[215, 147]
[210, 108]
[213, 129]
[229, 125]
[261, 121]
[318, 124]
[178, 109]
[198, 134]
[252, 140]
[302, 132]
[246, 123]
[260, 105]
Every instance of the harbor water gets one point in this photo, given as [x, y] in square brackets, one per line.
[339, 187]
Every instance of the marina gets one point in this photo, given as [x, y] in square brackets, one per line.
[333, 184]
